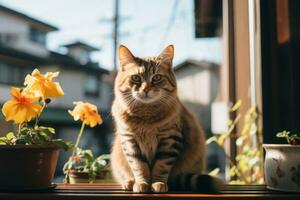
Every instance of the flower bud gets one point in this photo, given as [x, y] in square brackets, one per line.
[47, 101]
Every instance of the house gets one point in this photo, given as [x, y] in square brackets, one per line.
[198, 85]
[23, 48]
[198, 88]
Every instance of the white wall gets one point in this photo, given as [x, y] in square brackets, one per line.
[72, 82]
[10, 24]
[197, 89]
[194, 85]
[4, 92]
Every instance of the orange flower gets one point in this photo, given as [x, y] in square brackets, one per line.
[42, 85]
[87, 113]
[20, 108]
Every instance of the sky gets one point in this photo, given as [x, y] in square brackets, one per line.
[145, 27]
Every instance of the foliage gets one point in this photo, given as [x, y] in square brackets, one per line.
[247, 166]
[26, 105]
[85, 161]
[293, 139]
[39, 135]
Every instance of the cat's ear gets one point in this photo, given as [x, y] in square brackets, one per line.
[125, 57]
[166, 56]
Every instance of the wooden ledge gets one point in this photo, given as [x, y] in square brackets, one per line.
[113, 192]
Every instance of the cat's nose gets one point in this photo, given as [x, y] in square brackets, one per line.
[146, 92]
[145, 88]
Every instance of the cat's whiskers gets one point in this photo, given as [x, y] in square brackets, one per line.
[166, 102]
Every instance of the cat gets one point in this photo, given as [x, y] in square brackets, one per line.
[158, 143]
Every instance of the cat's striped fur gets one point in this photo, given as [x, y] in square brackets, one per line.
[158, 142]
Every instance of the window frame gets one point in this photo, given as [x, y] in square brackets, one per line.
[36, 34]
[22, 70]
[241, 70]
[95, 93]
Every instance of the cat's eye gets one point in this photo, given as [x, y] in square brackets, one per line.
[156, 78]
[136, 78]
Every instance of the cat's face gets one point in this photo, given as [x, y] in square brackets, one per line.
[148, 80]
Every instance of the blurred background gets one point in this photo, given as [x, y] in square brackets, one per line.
[79, 39]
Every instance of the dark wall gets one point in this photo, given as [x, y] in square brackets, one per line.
[280, 68]
[208, 18]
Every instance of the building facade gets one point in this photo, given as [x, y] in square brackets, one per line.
[198, 87]
[23, 48]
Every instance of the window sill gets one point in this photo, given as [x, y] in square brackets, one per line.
[109, 191]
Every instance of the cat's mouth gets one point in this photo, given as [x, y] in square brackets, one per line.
[145, 98]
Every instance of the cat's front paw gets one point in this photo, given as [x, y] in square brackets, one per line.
[159, 187]
[128, 185]
[140, 187]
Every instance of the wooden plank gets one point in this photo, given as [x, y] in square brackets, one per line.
[113, 191]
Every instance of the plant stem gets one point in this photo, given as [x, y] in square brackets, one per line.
[38, 117]
[19, 131]
[78, 138]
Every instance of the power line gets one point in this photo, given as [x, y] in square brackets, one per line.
[170, 24]
[116, 20]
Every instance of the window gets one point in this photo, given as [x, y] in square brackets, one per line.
[91, 85]
[37, 36]
[217, 60]
[12, 74]
[8, 38]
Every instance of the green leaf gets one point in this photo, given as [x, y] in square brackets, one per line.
[3, 141]
[20, 141]
[47, 130]
[211, 139]
[65, 145]
[236, 106]
[214, 172]
[42, 136]
[86, 153]
[283, 134]
[10, 136]
[104, 157]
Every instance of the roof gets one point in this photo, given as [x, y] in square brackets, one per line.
[47, 26]
[197, 63]
[81, 45]
[54, 58]
[68, 61]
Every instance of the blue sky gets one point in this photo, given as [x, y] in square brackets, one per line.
[143, 29]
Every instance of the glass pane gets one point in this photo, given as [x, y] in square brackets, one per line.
[5, 72]
[91, 84]
[85, 47]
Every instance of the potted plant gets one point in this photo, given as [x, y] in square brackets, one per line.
[83, 166]
[282, 163]
[246, 167]
[29, 155]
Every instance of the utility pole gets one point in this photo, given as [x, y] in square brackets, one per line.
[116, 20]
[116, 34]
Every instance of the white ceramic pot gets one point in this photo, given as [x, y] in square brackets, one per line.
[282, 167]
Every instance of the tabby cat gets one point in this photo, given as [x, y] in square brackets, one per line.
[158, 142]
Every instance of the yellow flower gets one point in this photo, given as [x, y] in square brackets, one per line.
[21, 107]
[87, 113]
[42, 85]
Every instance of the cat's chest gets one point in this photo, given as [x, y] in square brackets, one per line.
[147, 141]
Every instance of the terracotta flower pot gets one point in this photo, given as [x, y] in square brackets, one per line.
[282, 167]
[26, 167]
[103, 176]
